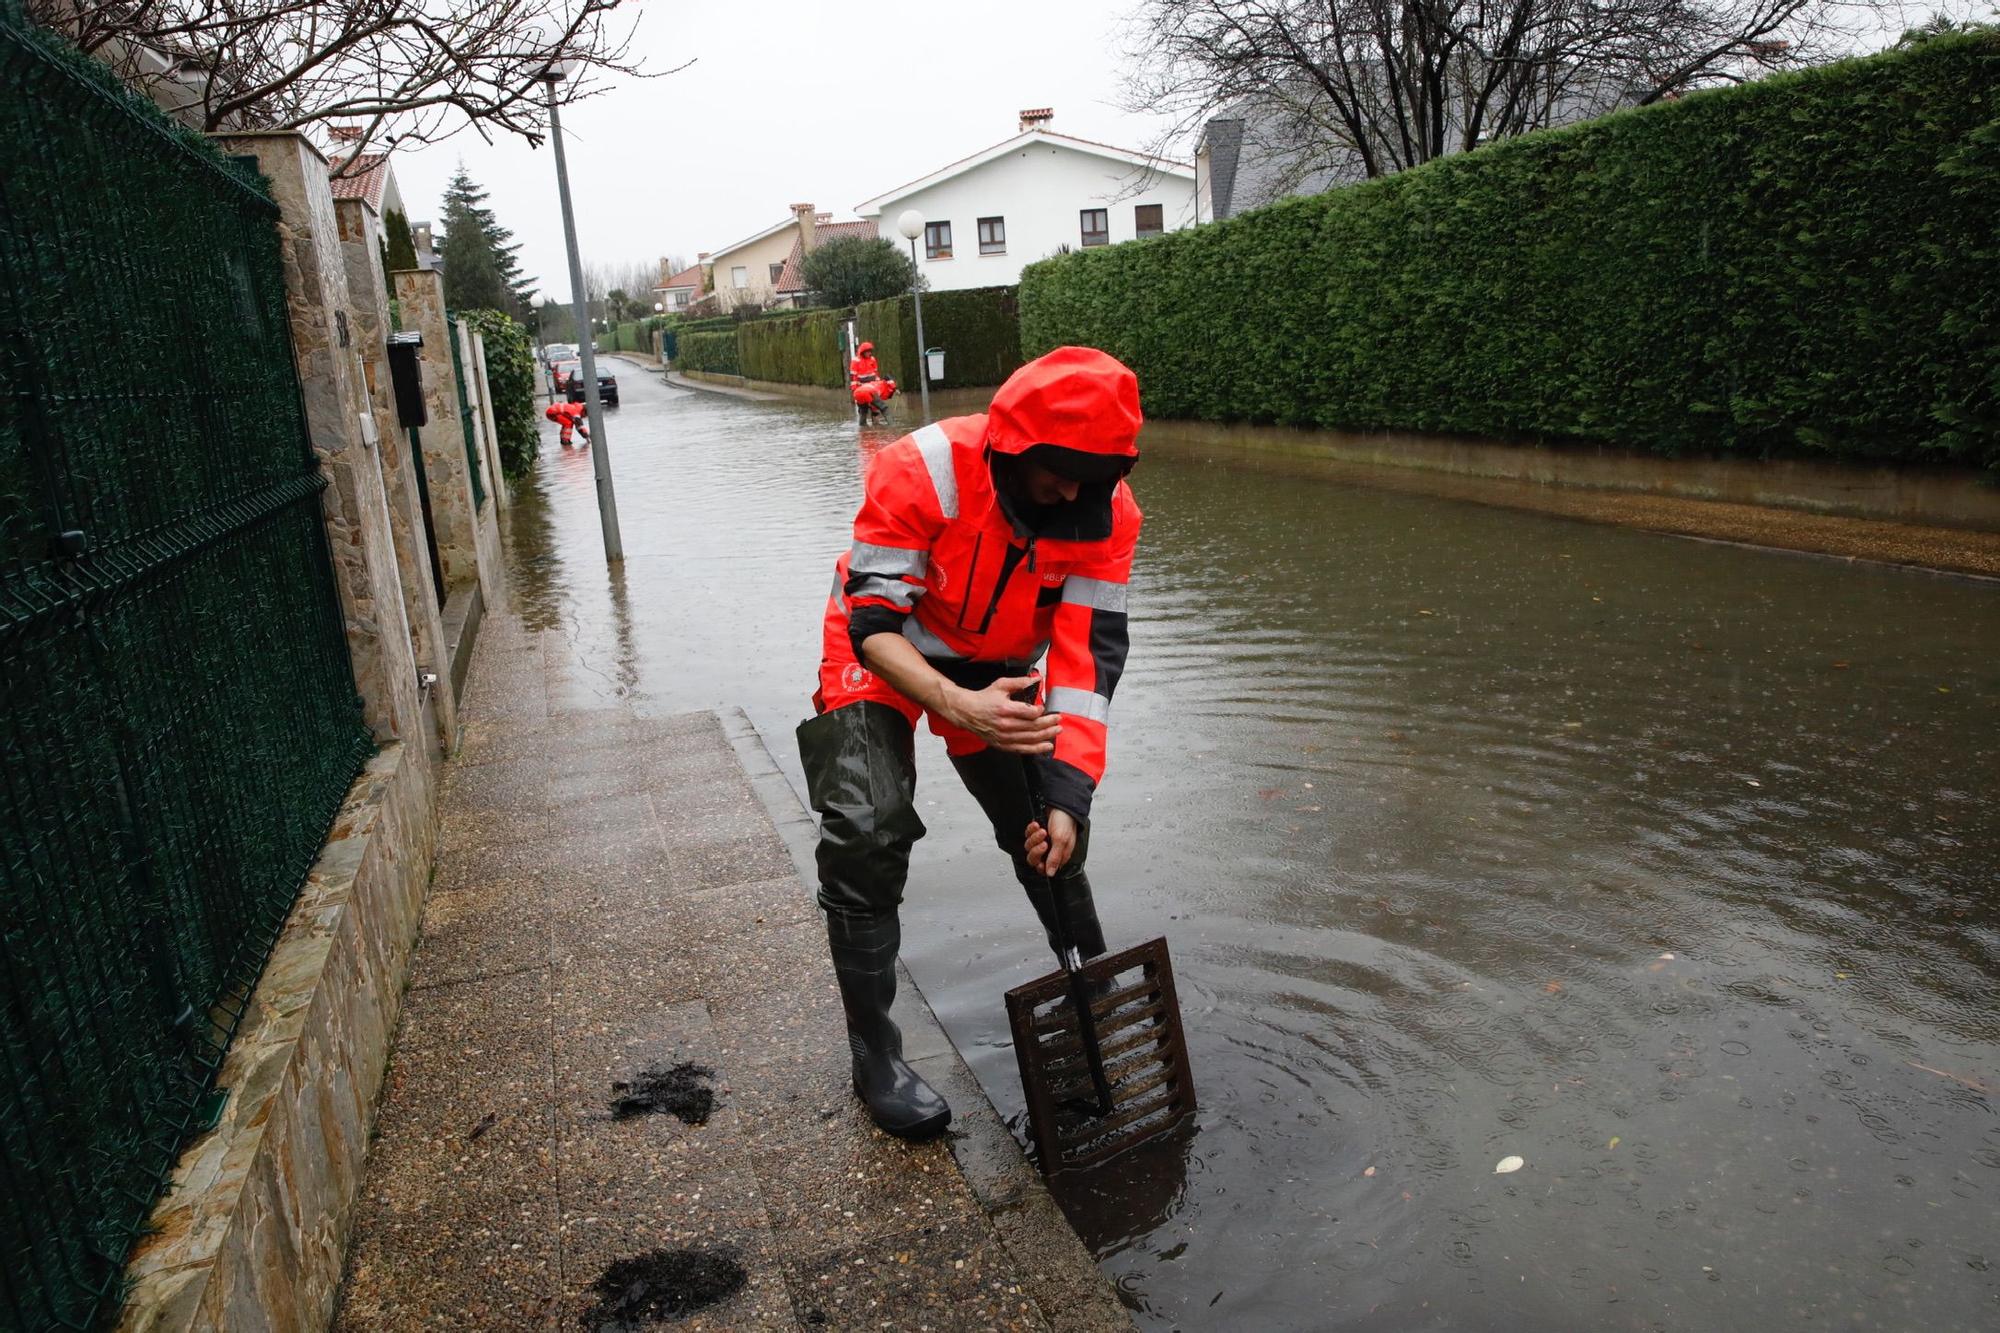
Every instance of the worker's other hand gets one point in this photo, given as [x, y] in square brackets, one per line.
[1004, 722]
[1049, 849]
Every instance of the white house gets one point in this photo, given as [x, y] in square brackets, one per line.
[989, 215]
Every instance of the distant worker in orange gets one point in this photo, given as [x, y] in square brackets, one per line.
[570, 417]
[872, 391]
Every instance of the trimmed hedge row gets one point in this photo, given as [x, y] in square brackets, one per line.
[1807, 263]
[806, 349]
[978, 328]
[711, 352]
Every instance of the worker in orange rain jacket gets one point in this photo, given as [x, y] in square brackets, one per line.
[864, 378]
[570, 417]
[983, 543]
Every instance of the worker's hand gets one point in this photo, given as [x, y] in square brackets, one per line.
[1002, 721]
[1049, 849]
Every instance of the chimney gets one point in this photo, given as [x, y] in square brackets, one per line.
[807, 227]
[1035, 118]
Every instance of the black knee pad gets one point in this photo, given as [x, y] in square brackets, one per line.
[861, 776]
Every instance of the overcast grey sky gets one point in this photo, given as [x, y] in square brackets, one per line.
[787, 102]
[795, 101]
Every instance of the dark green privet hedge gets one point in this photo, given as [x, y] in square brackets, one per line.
[978, 328]
[510, 375]
[712, 352]
[805, 349]
[1804, 264]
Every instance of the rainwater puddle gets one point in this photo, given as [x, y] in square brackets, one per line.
[1667, 867]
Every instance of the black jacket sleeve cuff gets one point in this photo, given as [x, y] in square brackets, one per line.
[866, 620]
[1066, 787]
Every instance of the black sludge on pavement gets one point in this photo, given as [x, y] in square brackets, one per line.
[679, 1090]
[662, 1284]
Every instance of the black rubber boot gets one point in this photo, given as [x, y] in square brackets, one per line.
[861, 774]
[864, 959]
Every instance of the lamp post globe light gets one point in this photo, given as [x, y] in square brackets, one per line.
[911, 224]
[600, 455]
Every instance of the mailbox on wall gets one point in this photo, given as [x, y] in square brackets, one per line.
[406, 373]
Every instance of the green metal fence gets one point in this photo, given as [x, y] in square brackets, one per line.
[178, 723]
[465, 416]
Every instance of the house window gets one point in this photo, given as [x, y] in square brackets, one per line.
[993, 236]
[1096, 226]
[1149, 219]
[681, 299]
[739, 278]
[776, 269]
[937, 240]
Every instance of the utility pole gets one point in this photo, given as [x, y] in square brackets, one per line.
[600, 453]
[911, 224]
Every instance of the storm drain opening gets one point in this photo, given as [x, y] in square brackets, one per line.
[662, 1284]
[678, 1090]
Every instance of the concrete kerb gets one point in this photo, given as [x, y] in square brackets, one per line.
[1025, 1216]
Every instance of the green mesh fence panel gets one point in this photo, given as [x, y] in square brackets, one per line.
[178, 723]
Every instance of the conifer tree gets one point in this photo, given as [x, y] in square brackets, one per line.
[480, 268]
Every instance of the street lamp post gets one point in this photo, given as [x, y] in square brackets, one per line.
[600, 455]
[911, 224]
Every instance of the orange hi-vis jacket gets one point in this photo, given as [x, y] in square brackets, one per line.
[943, 556]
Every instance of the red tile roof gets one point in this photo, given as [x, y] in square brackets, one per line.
[366, 182]
[792, 278]
[687, 277]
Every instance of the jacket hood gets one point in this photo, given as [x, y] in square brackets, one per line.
[1074, 398]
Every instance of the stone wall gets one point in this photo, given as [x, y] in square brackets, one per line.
[360, 234]
[467, 555]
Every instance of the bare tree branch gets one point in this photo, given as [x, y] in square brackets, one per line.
[410, 71]
[1336, 90]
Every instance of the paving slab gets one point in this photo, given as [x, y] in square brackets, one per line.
[617, 894]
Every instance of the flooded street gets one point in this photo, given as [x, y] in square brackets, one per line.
[1671, 868]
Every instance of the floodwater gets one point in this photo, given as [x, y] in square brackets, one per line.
[1671, 868]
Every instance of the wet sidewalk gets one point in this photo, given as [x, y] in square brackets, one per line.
[617, 897]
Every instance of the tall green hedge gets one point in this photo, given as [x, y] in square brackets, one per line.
[805, 349]
[978, 328]
[1807, 263]
[510, 377]
[711, 352]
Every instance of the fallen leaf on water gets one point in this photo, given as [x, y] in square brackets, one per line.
[1667, 957]
[1753, 782]
[1369, 1172]
[1552, 987]
[1840, 976]
[1840, 666]
[1614, 1142]
[1422, 611]
[1944, 689]
[1508, 1165]
[1270, 793]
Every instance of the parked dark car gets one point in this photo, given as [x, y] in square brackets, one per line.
[607, 386]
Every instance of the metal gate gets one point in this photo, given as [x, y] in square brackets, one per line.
[178, 721]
